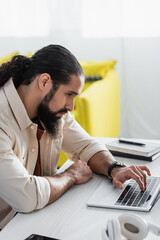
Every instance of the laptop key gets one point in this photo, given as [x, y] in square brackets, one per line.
[121, 197]
[133, 196]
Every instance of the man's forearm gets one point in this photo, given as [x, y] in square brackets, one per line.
[100, 162]
[59, 184]
[77, 173]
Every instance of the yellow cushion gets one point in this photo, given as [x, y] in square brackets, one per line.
[7, 58]
[94, 68]
[97, 67]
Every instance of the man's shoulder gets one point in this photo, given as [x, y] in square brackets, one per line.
[3, 102]
[5, 110]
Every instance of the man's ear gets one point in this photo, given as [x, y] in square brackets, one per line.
[44, 82]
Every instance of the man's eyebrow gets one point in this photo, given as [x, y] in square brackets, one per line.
[73, 92]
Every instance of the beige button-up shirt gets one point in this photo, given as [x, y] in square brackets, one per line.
[20, 190]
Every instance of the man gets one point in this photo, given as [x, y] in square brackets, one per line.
[37, 95]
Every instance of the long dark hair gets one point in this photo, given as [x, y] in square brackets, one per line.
[55, 60]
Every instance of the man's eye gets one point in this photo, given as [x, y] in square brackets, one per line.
[69, 94]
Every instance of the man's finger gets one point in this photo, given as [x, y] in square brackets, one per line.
[141, 174]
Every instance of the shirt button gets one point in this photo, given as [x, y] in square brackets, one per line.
[33, 149]
[32, 127]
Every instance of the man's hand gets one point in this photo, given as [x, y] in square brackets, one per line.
[101, 161]
[81, 171]
[78, 173]
[121, 174]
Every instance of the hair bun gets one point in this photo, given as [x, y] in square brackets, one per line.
[20, 62]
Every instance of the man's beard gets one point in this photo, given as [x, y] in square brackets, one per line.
[49, 118]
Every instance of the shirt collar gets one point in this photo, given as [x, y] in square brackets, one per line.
[17, 105]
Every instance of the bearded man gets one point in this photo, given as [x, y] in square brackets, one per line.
[36, 97]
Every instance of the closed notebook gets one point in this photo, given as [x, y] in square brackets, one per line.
[146, 150]
[133, 156]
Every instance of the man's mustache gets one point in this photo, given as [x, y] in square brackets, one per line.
[64, 110]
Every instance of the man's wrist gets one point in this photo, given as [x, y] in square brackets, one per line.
[112, 166]
[71, 176]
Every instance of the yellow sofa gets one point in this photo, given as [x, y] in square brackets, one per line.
[97, 107]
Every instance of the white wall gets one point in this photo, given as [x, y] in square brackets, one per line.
[138, 65]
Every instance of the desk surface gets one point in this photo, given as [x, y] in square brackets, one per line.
[70, 219]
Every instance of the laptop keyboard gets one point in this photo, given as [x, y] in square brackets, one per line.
[133, 196]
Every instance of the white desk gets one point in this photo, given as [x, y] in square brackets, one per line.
[70, 219]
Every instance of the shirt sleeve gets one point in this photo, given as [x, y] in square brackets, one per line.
[77, 143]
[22, 191]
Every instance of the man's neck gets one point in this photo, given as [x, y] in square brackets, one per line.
[38, 122]
[28, 99]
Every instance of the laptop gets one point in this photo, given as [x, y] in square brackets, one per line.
[129, 198]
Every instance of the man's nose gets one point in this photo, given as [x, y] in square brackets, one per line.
[70, 105]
